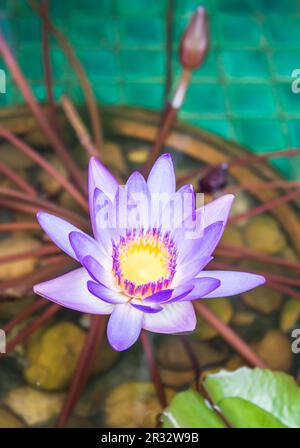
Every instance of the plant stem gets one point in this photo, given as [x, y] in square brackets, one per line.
[265, 207]
[78, 126]
[17, 226]
[284, 184]
[41, 251]
[84, 365]
[83, 80]
[42, 162]
[38, 112]
[14, 177]
[153, 369]
[229, 335]
[23, 315]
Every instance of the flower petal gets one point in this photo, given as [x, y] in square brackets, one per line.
[160, 296]
[99, 273]
[232, 282]
[178, 208]
[218, 210]
[202, 287]
[99, 177]
[139, 204]
[106, 294]
[102, 216]
[190, 250]
[84, 245]
[175, 318]
[58, 230]
[187, 271]
[70, 290]
[146, 308]
[124, 326]
[162, 177]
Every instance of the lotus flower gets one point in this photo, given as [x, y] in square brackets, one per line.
[144, 266]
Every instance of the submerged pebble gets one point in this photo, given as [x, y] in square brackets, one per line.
[263, 233]
[17, 245]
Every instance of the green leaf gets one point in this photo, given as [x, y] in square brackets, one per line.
[273, 392]
[244, 414]
[189, 410]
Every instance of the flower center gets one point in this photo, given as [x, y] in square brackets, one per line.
[144, 262]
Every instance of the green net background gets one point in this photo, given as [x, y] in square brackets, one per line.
[242, 93]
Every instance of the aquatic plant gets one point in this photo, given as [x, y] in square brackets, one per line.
[27, 199]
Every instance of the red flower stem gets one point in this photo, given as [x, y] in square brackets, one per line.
[41, 118]
[84, 365]
[229, 335]
[285, 290]
[241, 252]
[247, 160]
[167, 120]
[42, 204]
[160, 392]
[284, 184]
[28, 280]
[14, 177]
[78, 126]
[191, 354]
[42, 162]
[17, 226]
[23, 315]
[265, 207]
[32, 327]
[80, 72]
[52, 260]
[41, 251]
[44, 8]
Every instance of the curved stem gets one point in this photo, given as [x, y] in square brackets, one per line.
[17, 226]
[14, 177]
[41, 251]
[87, 356]
[153, 370]
[23, 315]
[42, 162]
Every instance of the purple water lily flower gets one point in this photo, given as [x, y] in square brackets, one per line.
[144, 266]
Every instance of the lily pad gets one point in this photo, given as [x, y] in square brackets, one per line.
[189, 410]
[257, 398]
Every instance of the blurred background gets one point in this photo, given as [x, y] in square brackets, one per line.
[242, 93]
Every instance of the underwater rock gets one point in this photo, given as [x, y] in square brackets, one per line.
[133, 405]
[223, 309]
[52, 356]
[243, 318]
[235, 362]
[49, 183]
[275, 350]
[10, 309]
[242, 202]
[77, 422]
[172, 355]
[14, 158]
[33, 406]
[113, 157]
[106, 357]
[17, 245]
[290, 315]
[8, 420]
[232, 236]
[263, 299]
[138, 155]
[263, 233]
[177, 379]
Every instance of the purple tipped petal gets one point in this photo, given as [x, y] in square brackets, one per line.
[180, 292]
[84, 245]
[106, 294]
[189, 270]
[102, 216]
[178, 208]
[98, 273]
[162, 177]
[218, 210]
[146, 308]
[138, 209]
[99, 177]
[160, 296]
[58, 230]
[190, 250]
[232, 282]
[124, 326]
[70, 290]
[175, 318]
[202, 287]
